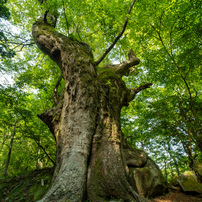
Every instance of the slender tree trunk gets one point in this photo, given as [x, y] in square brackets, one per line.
[187, 145]
[171, 168]
[190, 157]
[10, 149]
[177, 169]
[165, 170]
[43, 149]
[39, 163]
[4, 140]
[173, 158]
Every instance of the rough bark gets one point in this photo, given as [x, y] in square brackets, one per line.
[73, 120]
[107, 172]
[92, 156]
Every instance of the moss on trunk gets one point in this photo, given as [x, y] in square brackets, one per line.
[90, 157]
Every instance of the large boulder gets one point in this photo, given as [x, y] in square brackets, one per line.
[143, 174]
[148, 180]
[189, 183]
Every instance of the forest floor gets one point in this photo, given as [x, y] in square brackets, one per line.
[28, 187]
[177, 196]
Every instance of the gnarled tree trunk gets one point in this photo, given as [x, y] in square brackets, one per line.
[92, 155]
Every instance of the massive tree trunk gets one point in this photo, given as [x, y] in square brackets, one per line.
[92, 155]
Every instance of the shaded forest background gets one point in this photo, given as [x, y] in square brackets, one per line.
[164, 120]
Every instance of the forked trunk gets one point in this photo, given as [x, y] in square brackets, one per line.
[92, 156]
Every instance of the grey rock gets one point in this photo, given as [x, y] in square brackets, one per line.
[148, 181]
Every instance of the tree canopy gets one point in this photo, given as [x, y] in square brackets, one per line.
[165, 35]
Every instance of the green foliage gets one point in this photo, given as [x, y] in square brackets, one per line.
[166, 35]
[5, 51]
[30, 132]
[169, 44]
[4, 11]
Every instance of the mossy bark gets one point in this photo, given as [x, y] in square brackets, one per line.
[90, 155]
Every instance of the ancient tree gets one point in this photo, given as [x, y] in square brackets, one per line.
[93, 158]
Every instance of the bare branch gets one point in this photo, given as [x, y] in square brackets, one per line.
[192, 106]
[86, 36]
[118, 37]
[142, 87]
[133, 92]
[77, 31]
[48, 155]
[15, 36]
[18, 41]
[22, 45]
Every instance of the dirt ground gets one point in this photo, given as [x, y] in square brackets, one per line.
[177, 196]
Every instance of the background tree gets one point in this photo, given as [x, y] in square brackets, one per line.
[5, 51]
[30, 135]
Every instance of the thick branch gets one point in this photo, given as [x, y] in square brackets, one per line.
[133, 92]
[123, 68]
[118, 37]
